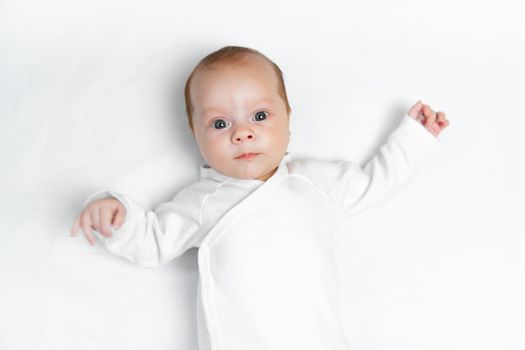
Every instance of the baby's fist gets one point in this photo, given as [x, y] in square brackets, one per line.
[100, 215]
[433, 122]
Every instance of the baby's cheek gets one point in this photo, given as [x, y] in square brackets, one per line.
[217, 152]
[284, 137]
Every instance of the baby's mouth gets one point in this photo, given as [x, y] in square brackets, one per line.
[247, 156]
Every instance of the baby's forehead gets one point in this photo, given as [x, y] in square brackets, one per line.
[253, 79]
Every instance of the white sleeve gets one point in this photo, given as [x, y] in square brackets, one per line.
[151, 238]
[354, 189]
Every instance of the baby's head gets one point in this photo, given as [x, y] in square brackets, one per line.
[238, 112]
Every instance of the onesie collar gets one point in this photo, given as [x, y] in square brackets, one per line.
[208, 172]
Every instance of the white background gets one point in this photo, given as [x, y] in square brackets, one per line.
[91, 97]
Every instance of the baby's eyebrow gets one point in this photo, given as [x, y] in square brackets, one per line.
[220, 110]
[210, 110]
[265, 100]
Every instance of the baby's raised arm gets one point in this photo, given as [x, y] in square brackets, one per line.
[355, 188]
[99, 215]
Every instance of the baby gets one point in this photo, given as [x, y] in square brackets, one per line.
[264, 223]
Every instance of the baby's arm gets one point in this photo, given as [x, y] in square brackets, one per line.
[353, 188]
[146, 238]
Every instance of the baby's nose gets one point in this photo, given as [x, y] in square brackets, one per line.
[242, 134]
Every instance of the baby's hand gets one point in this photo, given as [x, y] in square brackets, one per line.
[433, 122]
[99, 215]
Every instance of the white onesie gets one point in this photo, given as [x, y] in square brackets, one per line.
[267, 269]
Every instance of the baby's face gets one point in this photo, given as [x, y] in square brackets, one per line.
[239, 120]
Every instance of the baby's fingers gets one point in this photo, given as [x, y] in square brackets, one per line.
[86, 222]
[427, 111]
[441, 119]
[120, 216]
[415, 110]
[105, 216]
[95, 218]
[76, 226]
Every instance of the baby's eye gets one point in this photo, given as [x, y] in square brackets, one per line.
[220, 124]
[260, 116]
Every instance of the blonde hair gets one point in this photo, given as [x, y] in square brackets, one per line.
[230, 55]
